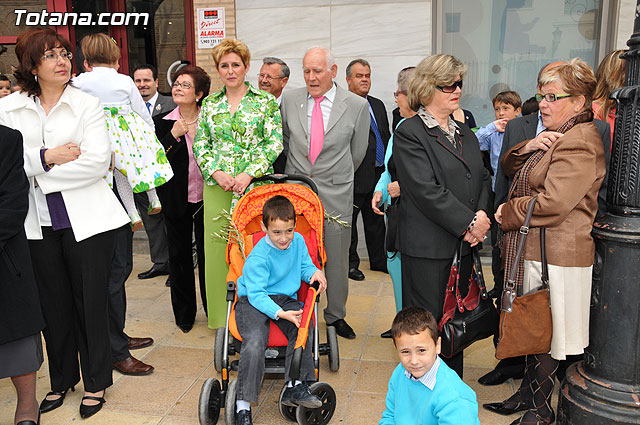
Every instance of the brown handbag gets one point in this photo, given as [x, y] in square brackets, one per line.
[525, 321]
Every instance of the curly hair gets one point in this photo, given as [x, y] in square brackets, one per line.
[230, 45]
[201, 80]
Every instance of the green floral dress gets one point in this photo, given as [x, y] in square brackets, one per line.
[248, 141]
[138, 153]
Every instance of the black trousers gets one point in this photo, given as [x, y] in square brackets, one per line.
[374, 231]
[179, 235]
[121, 267]
[72, 279]
[424, 281]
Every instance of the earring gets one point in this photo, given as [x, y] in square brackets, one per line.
[36, 77]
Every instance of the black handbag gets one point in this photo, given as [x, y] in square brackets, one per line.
[391, 229]
[469, 319]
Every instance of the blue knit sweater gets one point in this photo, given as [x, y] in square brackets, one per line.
[410, 402]
[272, 271]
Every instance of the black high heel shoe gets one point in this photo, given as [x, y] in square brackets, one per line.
[49, 405]
[87, 411]
[30, 422]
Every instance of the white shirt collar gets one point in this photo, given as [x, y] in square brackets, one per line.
[330, 95]
[429, 378]
[153, 100]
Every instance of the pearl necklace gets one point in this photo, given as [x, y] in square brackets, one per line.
[189, 123]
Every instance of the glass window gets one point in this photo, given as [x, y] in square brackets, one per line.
[505, 43]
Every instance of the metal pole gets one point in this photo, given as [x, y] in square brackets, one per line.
[605, 387]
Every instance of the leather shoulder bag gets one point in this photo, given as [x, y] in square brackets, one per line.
[525, 321]
[469, 319]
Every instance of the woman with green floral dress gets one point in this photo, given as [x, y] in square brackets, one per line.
[239, 137]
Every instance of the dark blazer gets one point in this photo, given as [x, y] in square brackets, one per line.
[19, 303]
[163, 105]
[441, 190]
[524, 128]
[365, 179]
[174, 193]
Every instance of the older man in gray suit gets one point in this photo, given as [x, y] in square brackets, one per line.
[326, 130]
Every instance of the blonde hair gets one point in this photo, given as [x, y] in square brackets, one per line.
[575, 78]
[435, 70]
[609, 75]
[100, 49]
[230, 45]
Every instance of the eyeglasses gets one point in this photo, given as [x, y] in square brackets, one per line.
[551, 97]
[268, 77]
[451, 88]
[184, 86]
[398, 93]
[54, 56]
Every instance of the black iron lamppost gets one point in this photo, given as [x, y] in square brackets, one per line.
[605, 388]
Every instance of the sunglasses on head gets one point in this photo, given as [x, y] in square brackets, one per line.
[451, 88]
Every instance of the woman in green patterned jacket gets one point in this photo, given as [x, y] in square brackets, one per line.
[239, 137]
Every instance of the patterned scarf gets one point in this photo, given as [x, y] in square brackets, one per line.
[520, 187]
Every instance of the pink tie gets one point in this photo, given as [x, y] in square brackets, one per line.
[317, 130]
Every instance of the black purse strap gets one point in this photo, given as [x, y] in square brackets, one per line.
[509, 293]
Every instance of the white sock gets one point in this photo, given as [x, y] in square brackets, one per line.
[152, 195]
[125, 192]
[242, 405]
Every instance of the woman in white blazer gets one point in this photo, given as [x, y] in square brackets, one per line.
[72, 214]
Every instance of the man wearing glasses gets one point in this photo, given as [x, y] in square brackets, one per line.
[273, 76]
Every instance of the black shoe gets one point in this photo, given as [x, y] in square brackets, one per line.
[168, 282]
[386, 334]
[49, 405]
[243, 417]
[300, 395]
[153, 272]
[498, 376]
[88, 411]
[356, 274]
[30, 422]
[532, 417]
[186, 328]
[343, 329]
[494, 293]
[502, 408]
[382, 269]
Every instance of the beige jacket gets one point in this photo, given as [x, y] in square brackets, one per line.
[566, 181]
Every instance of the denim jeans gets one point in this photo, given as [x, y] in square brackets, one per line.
[253, 326]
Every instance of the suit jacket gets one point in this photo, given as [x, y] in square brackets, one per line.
[345, 144]
[174, 193]
[566, 182]
[365, 178]
[163, 105]
[524, 128]
[441, 189]
[79, 118]
[19, 304]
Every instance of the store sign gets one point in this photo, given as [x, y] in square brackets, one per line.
[211, 29]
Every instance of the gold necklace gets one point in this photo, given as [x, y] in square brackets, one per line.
[189, 123]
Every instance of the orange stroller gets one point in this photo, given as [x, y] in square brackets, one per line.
[247, 216]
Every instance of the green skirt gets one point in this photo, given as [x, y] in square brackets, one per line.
[216, 268]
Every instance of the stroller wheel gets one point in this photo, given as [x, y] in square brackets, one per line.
[218, 349]
[230, 403]
[210, 402]
[334, 354]
[287, 412]
[322, 415]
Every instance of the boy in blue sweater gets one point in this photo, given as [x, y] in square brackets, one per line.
[267, 292]
[423, 390]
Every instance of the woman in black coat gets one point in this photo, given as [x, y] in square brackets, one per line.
[20, 341]
[181, 196]
[445, 187]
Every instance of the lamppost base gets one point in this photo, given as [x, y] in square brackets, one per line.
[587, 400]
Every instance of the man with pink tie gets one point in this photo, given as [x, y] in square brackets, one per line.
[326, 129]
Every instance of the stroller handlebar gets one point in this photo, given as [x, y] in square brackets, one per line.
[282, 178]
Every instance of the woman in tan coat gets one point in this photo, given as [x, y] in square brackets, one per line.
[564, 168]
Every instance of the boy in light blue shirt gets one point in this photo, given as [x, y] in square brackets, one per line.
[507, 106]
[423, 390]
[267, 292]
